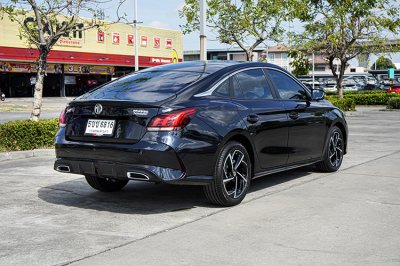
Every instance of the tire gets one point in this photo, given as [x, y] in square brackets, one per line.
[333, 152]
[105, 184]
[232, 176]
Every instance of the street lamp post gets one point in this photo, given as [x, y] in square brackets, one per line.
[313, 70]
[135, 22]
[203, 37]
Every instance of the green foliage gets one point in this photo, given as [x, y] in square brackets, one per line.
[240, 22]
[347, 28]
[393, 103]
[300, 63]
[378, 97]
[383, 63]
[348, 92]
[27, 135]
[370, 99]
[343, 104]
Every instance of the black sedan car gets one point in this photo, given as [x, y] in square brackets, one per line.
[216, 124]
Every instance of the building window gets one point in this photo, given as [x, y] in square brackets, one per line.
[271, 58]
[284, 56]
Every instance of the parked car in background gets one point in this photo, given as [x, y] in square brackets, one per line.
[216, 124]
[394, 89]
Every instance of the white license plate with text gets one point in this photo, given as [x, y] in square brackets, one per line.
[99, 127]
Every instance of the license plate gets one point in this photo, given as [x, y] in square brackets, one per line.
[99, 127]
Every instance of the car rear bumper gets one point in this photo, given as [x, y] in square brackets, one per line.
[145, 160]
[123, 171]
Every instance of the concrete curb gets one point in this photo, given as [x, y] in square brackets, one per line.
[14, 155]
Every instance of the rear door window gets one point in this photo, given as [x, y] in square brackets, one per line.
[253, 85]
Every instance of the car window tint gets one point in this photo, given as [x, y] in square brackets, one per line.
[253, 85]
[287, 87]
[237, 92]
[148, 86]
[223, 89]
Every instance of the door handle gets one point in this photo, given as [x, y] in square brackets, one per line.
[252, 119]
[294, 115]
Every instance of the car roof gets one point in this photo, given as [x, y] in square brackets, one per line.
[206, 67]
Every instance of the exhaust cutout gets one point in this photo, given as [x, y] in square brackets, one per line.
[63, 168]
[137, 176]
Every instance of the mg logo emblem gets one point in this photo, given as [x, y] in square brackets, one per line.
[98, 108]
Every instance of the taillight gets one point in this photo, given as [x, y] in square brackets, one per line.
[62, 119]
[171, 121]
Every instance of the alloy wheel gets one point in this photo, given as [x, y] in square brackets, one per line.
[335, 149]
[236, 173]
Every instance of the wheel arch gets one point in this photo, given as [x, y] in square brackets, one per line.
[343, 129]
[246, 142]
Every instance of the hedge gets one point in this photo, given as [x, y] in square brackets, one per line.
[343, 104]
[393, 103]
[27, 135]
[371, 99]
[347, 92]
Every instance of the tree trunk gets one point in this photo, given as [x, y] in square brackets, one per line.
[339, 83]
[249, 55]
[38, 92]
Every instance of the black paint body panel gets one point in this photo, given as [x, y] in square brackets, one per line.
[187, 156]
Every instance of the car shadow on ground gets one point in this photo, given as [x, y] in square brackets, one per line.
[147, 198]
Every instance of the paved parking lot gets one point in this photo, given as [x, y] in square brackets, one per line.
[21, 108]
[299, 217]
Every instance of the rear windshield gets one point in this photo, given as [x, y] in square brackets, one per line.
[147, 86]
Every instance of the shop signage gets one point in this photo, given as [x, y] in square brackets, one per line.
[161, 60]
[69, 42]
[85, 69]
[143, 41]
[130, 39]
[156, 42]
[100, 36]
[168, 43]
[115, 38]
[16, 67]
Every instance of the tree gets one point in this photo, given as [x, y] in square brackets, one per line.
[383, 63]
[239, 22]
[43, 23]
[344, 29]
[300, 63]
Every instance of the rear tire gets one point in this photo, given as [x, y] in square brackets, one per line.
[333, 155]
[105, 184]
[232, 176]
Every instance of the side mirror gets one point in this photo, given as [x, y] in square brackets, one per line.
[317, 94]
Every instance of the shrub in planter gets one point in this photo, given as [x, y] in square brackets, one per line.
[343, 104]
[393, 103]
[27, 135]
[370, 99]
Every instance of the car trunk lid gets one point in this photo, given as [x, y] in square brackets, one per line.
[108, 121]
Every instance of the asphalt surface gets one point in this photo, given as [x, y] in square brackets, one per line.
[300, 217]
[52, 107]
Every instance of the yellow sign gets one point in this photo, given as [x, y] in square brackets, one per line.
[153, 42]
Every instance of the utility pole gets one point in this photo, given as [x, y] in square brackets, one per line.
[203, 37]
[313, 70]
[135, 22]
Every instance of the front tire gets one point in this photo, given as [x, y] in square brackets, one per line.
[105, 184]
[333, 155]
[232, 176]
